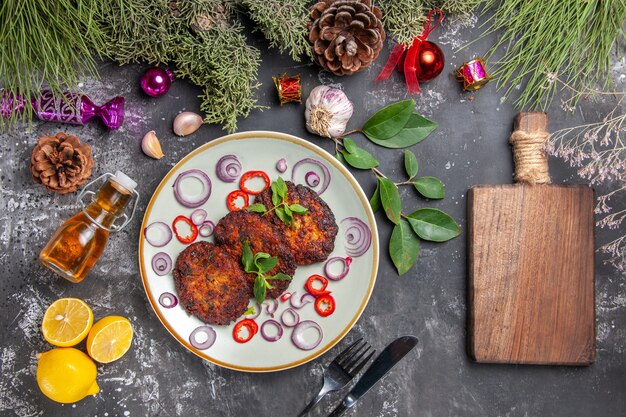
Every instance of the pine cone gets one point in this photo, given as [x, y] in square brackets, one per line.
[61, 162]
[346, 35]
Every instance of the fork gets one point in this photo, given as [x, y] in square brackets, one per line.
[342, 369]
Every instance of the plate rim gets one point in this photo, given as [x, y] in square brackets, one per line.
[326, 156]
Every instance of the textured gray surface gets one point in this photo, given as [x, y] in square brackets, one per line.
[158, 377]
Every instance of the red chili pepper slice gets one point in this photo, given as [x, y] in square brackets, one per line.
[254, 174]
[250, 325]
[231, 200]
[309, 286]
[286, 296]
[325, 305]
[193, 234]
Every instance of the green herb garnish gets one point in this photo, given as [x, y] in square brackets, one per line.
[283, 210]
[250, 310]
[260, 263]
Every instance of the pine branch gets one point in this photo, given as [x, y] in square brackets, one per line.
[283, 23]
[46, 43]
[403, 20]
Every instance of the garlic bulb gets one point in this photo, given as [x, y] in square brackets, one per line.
[150, 145]
[186, 123]
[327, 112]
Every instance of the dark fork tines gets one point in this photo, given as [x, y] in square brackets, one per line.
[353, 358]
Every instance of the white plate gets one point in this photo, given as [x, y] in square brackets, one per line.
[260, 151]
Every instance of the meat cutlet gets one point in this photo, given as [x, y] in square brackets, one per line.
[312, 236]
[242, 226]
[211, 284]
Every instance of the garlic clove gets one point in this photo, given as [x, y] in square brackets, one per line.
[186, 123]
[150, 145]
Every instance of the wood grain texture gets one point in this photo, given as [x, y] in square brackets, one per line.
[531, 274]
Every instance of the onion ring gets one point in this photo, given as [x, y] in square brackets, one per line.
[294, 315]
[312, 179]
[168, 300]
[265, 334]
[206, 228]
[325, 171]
[297, 336]
[228, 168]
[161, 264]
[281, 165]
[196, 200]
[198, 216]
[211, 336]
[164, 234]
[358, 236]
[298, 303]
[346, 268]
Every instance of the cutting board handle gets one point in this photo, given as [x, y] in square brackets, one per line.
[529, 140]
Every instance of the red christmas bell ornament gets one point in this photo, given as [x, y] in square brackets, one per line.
[429, 62]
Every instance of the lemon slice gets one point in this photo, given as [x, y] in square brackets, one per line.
[66, 322]
[109, 339]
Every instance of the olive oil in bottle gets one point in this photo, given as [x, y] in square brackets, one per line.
[78, 243]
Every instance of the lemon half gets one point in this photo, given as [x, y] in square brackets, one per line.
[67, 322]
[109, 339]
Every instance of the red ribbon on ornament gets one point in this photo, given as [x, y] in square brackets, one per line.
[409, 55]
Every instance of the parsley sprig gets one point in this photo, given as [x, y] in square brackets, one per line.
[283, 210]
[260, 263]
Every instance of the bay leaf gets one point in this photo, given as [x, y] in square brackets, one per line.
[404, 247]
[389, 120]
[430, 187]
[432, 224]
[390, 199]
[410, 164]
[416, 130]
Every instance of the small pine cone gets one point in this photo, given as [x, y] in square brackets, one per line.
[61, 162]
[347, 35]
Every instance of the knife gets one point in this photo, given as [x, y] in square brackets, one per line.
[391, 355]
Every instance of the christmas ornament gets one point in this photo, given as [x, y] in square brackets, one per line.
[61, 162]
[423, 61]
[73, 108]
[473, 74]
[289, 88]
[328, 111]
[347, 35]
[156, 81]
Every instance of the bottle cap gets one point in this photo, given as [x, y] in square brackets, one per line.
[125, 181]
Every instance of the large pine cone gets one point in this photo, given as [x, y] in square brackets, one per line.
[61, 162]
[346, 35]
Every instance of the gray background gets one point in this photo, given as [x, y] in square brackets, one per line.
[158, 377]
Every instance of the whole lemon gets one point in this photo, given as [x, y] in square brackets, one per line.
[66, 375]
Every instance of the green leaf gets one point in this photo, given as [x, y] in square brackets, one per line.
[375, 199]
[288, 212]
[276, 200]
[247, 259]
[250, 310]
[430, 187]
[280, 213]
[257, 208]
[404, 247]
[281, 277]
[298, 209]
[281, 188]
[341, 159]
[390, 199]
[410, 164]
[360, 159]
[389, 120]
[433, 224]
[259, 289]
[267, 264]
[349, 144]
[415, 131]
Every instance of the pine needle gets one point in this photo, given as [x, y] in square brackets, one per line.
[283, 22]
[46, 43]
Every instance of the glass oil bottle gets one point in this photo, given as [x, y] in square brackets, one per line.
[78, 243]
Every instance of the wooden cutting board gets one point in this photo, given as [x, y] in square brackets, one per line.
[531, 264]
